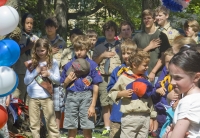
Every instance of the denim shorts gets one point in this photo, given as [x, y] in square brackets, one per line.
[76, 109]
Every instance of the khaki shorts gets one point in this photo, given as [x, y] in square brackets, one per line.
[103, 94]
[135, 125]
[115, 130]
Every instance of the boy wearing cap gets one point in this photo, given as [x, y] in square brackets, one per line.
[108, 56]
[58, 46]
[80, 78]
[136, 104]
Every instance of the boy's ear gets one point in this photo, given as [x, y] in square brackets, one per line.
[197, 77]
[134, 65]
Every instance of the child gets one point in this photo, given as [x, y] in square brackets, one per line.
[58, 45]
[80, 78]
[137, 112]
[162, 88]
[162, 15]
[5, 101]
[191, 29]
[126, 30]
[127, 47]
[43, 65]
[184, 69]
[93, 36]
[68, 52]
[26, 43]
[108, 56]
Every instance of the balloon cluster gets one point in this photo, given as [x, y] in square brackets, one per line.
[9, 54]
[176, 5]
[9, 49]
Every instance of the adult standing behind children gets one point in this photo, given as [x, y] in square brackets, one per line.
[153, 41]
[26, 43]
[108, 56]
[162, 15]
[81, 79]
[58, 46]
[43, 65]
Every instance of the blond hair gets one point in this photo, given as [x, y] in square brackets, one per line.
[162, 9]
[148, 12]
[169, 52]
[193, 24]
[128, 44]
[82, 42]
[139, 57]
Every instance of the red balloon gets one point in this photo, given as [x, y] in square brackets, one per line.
[2, 2]
[3, 116]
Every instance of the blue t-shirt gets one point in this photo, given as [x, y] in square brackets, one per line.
[116, 115]
[94, 77]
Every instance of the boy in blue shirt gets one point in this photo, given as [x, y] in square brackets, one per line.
[80, 78]
[127, 47]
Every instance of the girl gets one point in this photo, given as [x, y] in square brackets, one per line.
[42, 65]
[184, 69]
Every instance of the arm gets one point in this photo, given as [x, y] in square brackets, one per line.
[91, 110]
[113, 79]
[152, 45]
[179, 130]
[54, 75]
[24, 49]
[30, 76]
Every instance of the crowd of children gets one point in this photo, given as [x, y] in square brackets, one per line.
[137, 78]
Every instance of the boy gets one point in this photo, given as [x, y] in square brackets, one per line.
[93, 38]
[126, 30]
[159, 97]
[127, 47]
[154, 41]
[162, 15]
[136, 111]
[108, 56]
[68, 52]
[191, 29]
[80, 78]
[58, 46]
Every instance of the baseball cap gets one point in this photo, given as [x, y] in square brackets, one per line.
[141, 87]
[80, 67]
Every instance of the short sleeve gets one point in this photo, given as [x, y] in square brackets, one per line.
[189, 110]
[95, 73]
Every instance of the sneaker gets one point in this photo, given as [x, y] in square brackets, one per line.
[105, 132]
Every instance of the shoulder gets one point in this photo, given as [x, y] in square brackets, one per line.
[92, 63]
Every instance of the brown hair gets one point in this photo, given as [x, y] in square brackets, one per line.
[51, 22]
[123, 23]
[128, 44]
[44, 43]
[193, 24]
[91, 33]
[148, 12]
[108, 25]
[169, 52]
[162, 9]
[139, 57]
[82, 42]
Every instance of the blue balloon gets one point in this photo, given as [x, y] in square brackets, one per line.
[9, 52]
[13, 89]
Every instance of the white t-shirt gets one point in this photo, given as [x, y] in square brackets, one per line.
[189, 107]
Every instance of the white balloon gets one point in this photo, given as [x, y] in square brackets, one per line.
[7, 79]
[9, 19]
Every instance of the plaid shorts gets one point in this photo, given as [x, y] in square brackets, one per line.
[58, 99]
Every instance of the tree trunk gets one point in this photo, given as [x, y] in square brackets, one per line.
[150, 4]
[61, 15]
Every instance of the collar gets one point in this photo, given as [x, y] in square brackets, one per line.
[166, 27]
[114, 42]
[24, 33]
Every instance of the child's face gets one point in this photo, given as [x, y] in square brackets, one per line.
[50, 30]
[41, 53]
[125, 56]
[141, 69]
[182, 82]
[189, 32]
[161, 18]
[93, 40]
[126, 31]
[80, 53]
[148, 21]
[28, 24]
[110, 33]
[167, 59]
